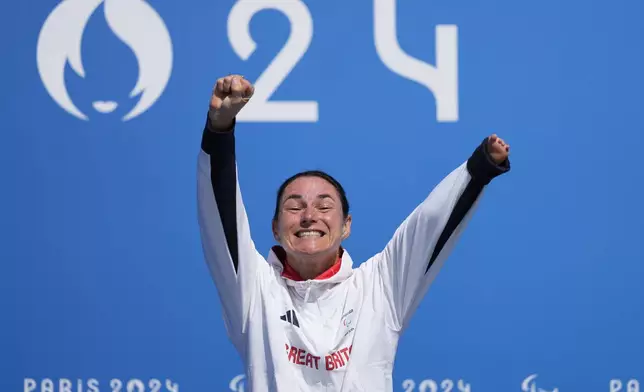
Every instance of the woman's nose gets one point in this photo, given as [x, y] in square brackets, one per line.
[308, 216]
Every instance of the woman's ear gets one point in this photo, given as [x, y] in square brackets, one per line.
[276, 234]
[346, 229]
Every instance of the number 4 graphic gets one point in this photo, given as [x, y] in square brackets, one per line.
[441, 80]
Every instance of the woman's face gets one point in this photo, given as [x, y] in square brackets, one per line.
[310, 219]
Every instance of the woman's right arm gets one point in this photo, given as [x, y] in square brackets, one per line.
[230, 253]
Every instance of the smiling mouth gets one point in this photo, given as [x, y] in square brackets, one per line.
[309, 234]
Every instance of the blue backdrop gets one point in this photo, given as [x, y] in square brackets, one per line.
[103, 280]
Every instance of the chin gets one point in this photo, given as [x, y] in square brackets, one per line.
[311, 249]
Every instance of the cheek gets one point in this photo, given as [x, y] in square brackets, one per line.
[286, 223]
[334, 224]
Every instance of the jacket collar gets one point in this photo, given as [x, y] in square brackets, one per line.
[339, 272]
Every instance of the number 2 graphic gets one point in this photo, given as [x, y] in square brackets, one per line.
[441, 80]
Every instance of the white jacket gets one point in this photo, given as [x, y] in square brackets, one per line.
[339, 332]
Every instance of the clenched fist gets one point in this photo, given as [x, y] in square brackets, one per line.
[498, 149]
[229, 96]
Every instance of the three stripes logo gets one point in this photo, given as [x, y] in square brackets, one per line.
[291, 318]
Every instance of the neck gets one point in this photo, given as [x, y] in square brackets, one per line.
[312, 266]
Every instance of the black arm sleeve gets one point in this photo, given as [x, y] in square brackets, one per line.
[220, 146]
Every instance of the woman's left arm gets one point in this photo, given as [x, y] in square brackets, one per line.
[412, 258]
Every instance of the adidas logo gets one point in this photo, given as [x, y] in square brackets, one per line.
[291, 318]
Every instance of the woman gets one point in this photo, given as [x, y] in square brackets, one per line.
[305, 319]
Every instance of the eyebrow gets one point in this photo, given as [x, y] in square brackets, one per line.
[299, 197]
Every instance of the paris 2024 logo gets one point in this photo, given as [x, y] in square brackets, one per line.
[134, 22]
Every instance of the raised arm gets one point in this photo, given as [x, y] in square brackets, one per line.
[225, 234]
[412, 258]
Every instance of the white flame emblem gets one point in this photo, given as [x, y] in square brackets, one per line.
[237, 383]
[530, 385]
[134, 22]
